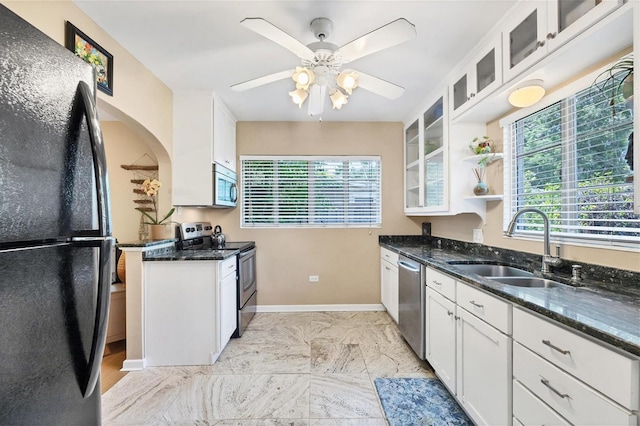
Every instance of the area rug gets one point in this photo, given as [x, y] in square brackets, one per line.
[419, 402]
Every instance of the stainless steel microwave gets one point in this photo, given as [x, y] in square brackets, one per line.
[225, 187]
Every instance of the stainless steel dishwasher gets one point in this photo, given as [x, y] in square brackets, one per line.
[411, 282]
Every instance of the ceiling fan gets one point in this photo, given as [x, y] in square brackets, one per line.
[322, 62]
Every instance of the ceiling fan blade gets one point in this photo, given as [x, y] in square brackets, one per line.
[379, 86]
[389, 35]
[275, 34]
[250, 84]
[316, 99]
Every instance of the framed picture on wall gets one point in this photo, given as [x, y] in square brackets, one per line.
[90, 51]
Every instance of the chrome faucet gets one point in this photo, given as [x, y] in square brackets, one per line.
[547, 259]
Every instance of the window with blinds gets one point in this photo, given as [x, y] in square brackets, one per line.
[310, 192]
[571, 160]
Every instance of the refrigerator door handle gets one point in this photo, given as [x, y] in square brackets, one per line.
[99, 158]
[102, 309]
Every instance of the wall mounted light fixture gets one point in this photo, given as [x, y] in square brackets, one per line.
[526, 93]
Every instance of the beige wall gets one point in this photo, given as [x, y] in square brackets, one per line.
[123, 146]
[346, 260]
[140, 100]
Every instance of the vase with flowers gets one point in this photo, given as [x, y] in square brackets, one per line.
[482, 147]
[150, 188]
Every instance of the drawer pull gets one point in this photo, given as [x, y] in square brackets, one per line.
[449, 313]
[554, 347]
[554, 390]
[477, 305]
[436, 282]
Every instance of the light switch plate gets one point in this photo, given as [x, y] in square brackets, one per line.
[477, 236]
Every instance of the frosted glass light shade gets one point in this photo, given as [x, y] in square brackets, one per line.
[337, 98]
[298, 96]
[526, 93]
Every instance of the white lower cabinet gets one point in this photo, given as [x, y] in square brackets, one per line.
[507, 365]
[529, 410]
[389, 281]
[469, 354]
[569, 374]
[441, 337]
[483, 370]
[186, 311]
[571, 398]
[228, 300]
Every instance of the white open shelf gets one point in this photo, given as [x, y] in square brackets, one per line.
[490, 197]
[492, 157]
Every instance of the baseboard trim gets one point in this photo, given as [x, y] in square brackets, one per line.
[132, 365]
[318, 308]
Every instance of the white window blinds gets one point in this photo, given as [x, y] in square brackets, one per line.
[568, 159]
[310, 191]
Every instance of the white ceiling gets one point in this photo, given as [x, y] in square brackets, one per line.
[201, 45]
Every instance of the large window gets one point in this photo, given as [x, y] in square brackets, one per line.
[571, 160]
[310, 191]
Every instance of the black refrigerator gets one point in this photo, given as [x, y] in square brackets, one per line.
[55, 232]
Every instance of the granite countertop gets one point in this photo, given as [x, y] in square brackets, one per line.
[598, 308]
[145, 243]
[191, 255]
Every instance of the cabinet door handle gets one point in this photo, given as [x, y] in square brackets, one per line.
[554, 347]
[387, 268]
[436, 282]
[551, 36]
[540, 44]
[554, 390]
[477, 305]
[449, 313]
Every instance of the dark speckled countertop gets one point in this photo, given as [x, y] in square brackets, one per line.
[192, 255]
[606, 306]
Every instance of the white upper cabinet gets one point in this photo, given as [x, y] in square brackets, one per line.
[203, 131]
[480, 77]
[536, 28]
[224, 136]
[425, 153]
[435, 148]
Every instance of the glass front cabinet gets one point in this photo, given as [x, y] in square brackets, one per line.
[538, 28]
[433, 147]
[425, 159]
[481, 77]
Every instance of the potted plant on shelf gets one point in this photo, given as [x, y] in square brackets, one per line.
[616, 80]
[156, 227]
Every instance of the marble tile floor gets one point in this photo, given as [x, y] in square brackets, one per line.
[300, 369]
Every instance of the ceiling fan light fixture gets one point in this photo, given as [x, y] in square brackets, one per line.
[337, 98]
[348, 80]
[526, 93]
[303, 77]
[298, 97]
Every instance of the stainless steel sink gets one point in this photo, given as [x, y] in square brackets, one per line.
[527, 281]
[493, 270]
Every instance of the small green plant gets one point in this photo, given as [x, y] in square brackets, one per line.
[483, 146]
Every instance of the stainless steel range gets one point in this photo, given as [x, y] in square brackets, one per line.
[197, 236]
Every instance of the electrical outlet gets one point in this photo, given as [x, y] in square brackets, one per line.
[314, 278]
[477, 236]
